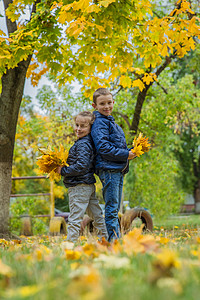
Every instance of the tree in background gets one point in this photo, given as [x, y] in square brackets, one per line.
[159, 179]
[100, 42]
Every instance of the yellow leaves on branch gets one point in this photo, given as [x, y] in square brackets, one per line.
[139, 83]
[76, 25]
[50, 160]
[125, 81]
[2, 32]
[184, 7]
[140, 145]
[151, 39]
[105, 3]
[148, 78]
[11, 12]
[36, 71]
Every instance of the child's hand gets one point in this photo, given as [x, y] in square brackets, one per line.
[131, 155]
[58, 170]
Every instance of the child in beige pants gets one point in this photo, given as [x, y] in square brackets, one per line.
[79, 179]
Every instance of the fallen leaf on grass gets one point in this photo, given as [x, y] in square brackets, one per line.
[22, 292]
[72, 254]
[170, 283]
[85, 284]
[112, 261]
[6, 270]
[135, 242]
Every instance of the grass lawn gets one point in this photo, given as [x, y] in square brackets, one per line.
[190, 221]
[163, 265]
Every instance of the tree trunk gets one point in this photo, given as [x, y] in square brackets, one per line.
[138, 108]
[142, 95]
[197, 197]
[10, 99]
[196, 170]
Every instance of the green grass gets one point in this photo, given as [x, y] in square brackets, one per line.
[43, 270]
[191, 221]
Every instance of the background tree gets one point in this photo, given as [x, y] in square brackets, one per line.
[128, 33]
[172, 166]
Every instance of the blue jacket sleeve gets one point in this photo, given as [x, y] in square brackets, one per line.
[108, 150]
[80, 167]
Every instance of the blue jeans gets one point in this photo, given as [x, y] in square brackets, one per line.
[112, 182]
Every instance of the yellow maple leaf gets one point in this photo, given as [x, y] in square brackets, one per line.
[136, 242]
[105, 3]
[138, 83]
[93, 8]
[50, 160]
[164, 51]
[137, 150]
[5, 270]
[65, 16]
[147, 78]
[85, 284]
[2, 32]
[81, 4]
[168, 259]
[125, 81]
[72, 254]
[10, 13]
[138, 71]
[140, 145]
[23, 292]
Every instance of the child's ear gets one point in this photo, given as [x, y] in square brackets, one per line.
[94, 105]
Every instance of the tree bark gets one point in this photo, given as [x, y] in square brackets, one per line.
[196, 168]
[197, 198]
[10, 99]
[142, 95]
[138, 108]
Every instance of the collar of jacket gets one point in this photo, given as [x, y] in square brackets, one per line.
[86, 137]
[99, 115]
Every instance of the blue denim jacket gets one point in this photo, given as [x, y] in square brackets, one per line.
[110, 143]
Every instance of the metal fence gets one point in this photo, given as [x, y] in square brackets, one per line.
[50, 194]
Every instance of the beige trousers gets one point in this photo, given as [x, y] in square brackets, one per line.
[82, 198]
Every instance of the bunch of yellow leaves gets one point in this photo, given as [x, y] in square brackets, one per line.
[50, 160]
[140, 145]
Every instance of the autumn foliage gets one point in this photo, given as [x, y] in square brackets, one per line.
[51, 159]
[140, 145]
[135, 42]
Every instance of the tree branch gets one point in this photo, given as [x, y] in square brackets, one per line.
[167, 61]
[162, 87]
[125, 117]
[11, 26]
[142, 95]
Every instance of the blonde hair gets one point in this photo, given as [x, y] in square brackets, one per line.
[86, 114]
[100, 92]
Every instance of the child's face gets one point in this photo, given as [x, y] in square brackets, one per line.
[104, 104]
[82, 126]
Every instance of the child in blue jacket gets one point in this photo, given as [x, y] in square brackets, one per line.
[79, 179]
[111, 159]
